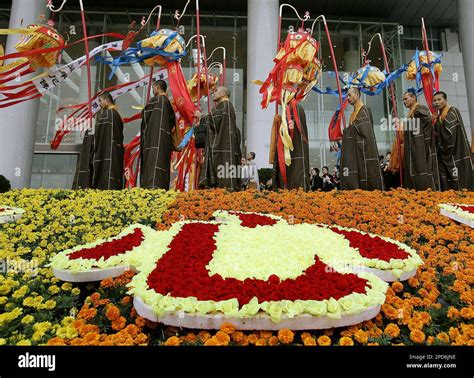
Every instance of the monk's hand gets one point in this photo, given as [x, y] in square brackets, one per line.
[197, 117]
[291, 125]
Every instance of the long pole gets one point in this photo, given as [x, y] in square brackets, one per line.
[333, 56]
[89, 81]
[198, 30]
[395, 110]
[152, 71]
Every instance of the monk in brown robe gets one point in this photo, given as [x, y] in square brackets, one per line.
[420, 162]
[156, 142]
[100, 163]
[297, 173]
[454, 152]
[360, 168]
[222, 153]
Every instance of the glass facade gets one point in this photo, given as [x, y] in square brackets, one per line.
[56, 170]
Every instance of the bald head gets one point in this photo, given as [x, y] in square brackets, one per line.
[221, 94]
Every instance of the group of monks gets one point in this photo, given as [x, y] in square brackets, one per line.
[433, 155]
[101, 159]
[433, 150]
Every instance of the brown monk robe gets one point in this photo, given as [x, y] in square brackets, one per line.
[360, 167]
[83, 176]
[100, 164]
[222, 153]
[156, 144]
[454, 152]
[297, 173]
[420, 162]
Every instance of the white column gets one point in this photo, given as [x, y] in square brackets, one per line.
[18, 123]
[466, 33]
[261, 48]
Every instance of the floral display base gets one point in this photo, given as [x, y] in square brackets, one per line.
[261, 321]
[460, 213]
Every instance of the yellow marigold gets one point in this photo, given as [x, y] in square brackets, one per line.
[392, 330]
[272, 341]
[222, 338]
[417, 336]
[372, 344]
[211, 342]
[430, 340]
[309, 341]
[228, 328]
[397, 287]
[361, 336]
[173, 341]
[286, 336]
[112, 313]
[324, 340]
[261, 342]
[346, 341]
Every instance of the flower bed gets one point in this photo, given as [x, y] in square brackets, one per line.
[434, 307]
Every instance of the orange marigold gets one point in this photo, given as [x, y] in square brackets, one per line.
[261, 342]
[237, 336]
[56, 341]
[417, 336]
[252, 338]
[467, 312]
[397, 287]
[286, 336]
[119, 323]
[227, 328]
[443, 336]
[108, 282]
[361, 336]
[346, 341]
[112, 312]
[211, 342]
[309, 341]
[266, 334]
[222, 338]
[173, 341]
[272, 341]
[324, 340]
[392, 330]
